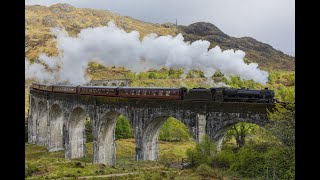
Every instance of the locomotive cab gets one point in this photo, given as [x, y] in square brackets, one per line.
[183, 92]
[200, 94]
[217, 94]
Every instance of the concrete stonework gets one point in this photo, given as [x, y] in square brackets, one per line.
[58, 121]
[55, 141]
[201, 126]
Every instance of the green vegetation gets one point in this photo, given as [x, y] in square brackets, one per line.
[203, 153]
[273, 157]
[42, 164]
[88, 130]
[174, 130]
[123, 128]
[282, 82]
[171, 130]
[195, 74]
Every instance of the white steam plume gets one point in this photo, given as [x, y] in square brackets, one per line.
[113, 46]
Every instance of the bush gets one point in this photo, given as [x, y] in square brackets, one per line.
[175, 73]
[203, 153]
[218, 74]
[249, 163]
[152, 76]
[30, 169]
[195, 74]
[205, 170]
[224, 159]
[280, 164]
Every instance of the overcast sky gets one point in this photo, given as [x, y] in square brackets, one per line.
[268, 21]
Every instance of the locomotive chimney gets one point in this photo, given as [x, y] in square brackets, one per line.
[266, 88]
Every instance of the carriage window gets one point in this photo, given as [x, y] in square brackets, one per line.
[167, 93]
[144, 92]
[160, 93]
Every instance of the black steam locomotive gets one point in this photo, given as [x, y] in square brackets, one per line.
[231, 95]
[195, 94]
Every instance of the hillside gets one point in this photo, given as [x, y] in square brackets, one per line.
[264, 54]
[39, 20]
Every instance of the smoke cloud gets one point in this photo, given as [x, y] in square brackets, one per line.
[110, 45]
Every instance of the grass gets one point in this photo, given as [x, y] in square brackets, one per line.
[43, 164]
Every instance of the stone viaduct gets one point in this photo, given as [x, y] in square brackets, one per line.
[57, 121]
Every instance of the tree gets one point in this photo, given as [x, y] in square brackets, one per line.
[165, 131]
[239, 132]
[88, 130]
[283, 125]
[123, 128]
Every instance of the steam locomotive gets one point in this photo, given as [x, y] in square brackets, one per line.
[220, 94]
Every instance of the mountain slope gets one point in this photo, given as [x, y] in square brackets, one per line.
[39, 20]
[39, 39]
[264, 54]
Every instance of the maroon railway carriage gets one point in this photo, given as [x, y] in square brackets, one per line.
[65, 89]
[128, 92]
[98, 90]
[42, 87]
[35, 86]
[151, 93]
[45, 87]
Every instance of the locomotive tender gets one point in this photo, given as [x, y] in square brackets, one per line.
[219, 94]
